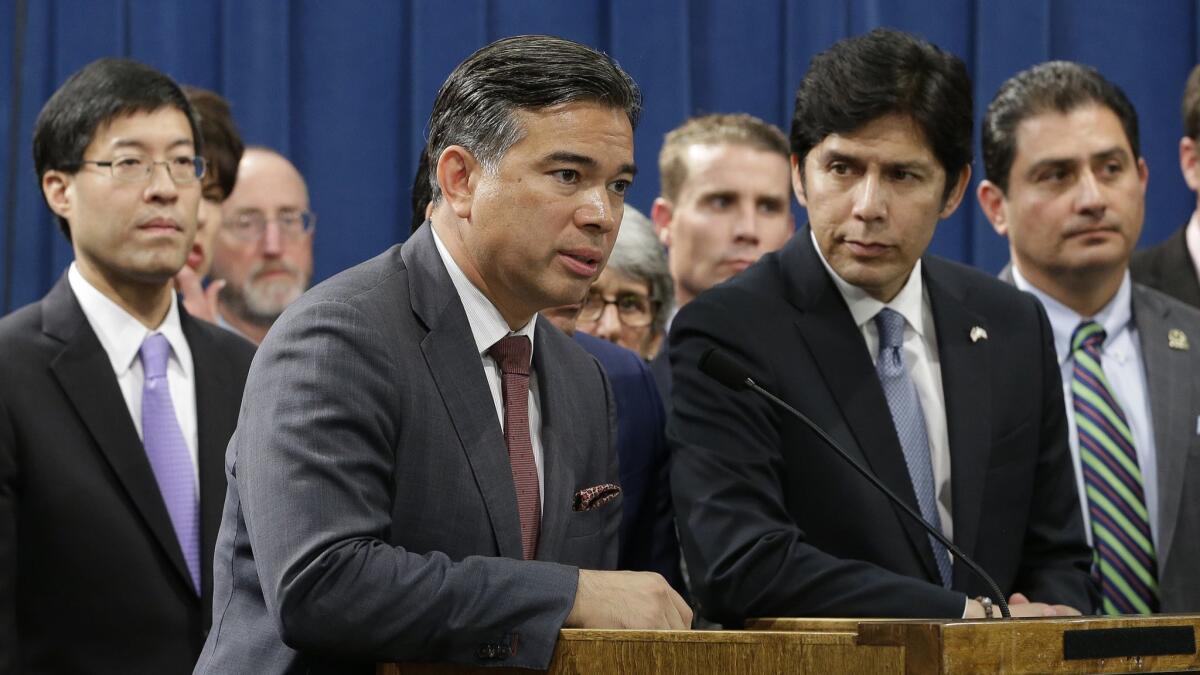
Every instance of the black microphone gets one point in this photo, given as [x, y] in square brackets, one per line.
[722, 368]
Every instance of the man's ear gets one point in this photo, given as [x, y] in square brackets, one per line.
[1188, 159]
[661, 213]
[798, 181]
[458, 175]
[57, 189]
[956, 195]
[991, 202]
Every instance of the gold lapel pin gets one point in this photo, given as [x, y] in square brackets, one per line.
[978, 333]
[1177, 339]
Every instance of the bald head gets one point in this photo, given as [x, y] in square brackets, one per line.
[264, 251]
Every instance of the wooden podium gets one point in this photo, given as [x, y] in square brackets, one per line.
[1156, 644]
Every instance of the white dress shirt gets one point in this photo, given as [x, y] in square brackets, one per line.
[920, 359]
[1192, 237]
[1121, 360]
[488, 327]
[121, 336]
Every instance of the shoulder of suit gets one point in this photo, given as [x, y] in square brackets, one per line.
[21, 323]
[974, 285]
[358, 282]
[1145, 296]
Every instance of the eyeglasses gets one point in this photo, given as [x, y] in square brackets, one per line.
[133, 168]
[252, 225]
[633, 309]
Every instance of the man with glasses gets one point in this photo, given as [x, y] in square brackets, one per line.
[264, 248]
[115, 405]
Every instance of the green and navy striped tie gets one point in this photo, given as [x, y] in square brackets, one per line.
[1124, 566]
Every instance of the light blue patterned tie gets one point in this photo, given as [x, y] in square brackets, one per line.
[168, 452]
[909, 419]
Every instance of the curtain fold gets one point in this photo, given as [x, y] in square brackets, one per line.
[344, 88]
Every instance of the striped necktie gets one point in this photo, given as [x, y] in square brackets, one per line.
[1125, 566]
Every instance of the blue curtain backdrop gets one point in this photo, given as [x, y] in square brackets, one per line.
[344, 88]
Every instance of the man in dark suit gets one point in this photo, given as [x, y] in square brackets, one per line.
[408, 481]
[115, 405]
[1173, 266]
[938, 378]
[1067, 185]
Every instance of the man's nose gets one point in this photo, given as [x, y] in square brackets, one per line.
[272, 239]
[869, 202]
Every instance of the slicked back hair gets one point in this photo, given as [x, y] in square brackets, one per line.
[1054, 86]
[100, 92]
[223, 146]
[887, 72]
[716, 129]
[477, 105]
[1191, 105]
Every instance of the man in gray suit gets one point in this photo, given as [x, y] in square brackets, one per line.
[407, 482]
[1066, 184]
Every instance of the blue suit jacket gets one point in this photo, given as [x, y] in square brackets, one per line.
[648, 540]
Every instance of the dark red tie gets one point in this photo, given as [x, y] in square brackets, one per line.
[512, 355]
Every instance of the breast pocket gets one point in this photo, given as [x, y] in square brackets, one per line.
[587, 523]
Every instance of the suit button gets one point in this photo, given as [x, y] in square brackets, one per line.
[486, 652]
[503, 652]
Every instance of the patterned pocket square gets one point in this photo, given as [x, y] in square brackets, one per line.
[595, 496]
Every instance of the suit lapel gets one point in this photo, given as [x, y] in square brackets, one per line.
[837, 347]
[85, 373]
[215, 418]
[965, 364]
[455, 368]
[1169, 375]
[554, 390]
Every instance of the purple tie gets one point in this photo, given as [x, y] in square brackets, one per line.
[168, 452]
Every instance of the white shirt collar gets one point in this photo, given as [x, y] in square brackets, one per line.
[487, 324]
[1114, 317]
[120, 333]
[863, 307]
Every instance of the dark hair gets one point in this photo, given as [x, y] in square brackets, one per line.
[102, 91]
[1191, 105]
[476, 106]
[1060, 86]
[223, 146]
[861, 79]
[421, 192]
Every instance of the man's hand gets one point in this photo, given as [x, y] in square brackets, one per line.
[1020, 606]
[200, 302]
[640, 600]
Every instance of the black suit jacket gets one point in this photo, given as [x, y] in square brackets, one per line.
[773, 523]
[1168, 267]
[92, 578]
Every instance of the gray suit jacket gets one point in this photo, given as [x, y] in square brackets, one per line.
[371, 514]
[1173, 382]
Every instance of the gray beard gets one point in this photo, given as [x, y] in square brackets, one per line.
[257, 305]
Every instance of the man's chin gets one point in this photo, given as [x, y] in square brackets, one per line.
[267, 301]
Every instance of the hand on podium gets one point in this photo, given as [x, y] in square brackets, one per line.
[639, 600]
[1020, 606]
